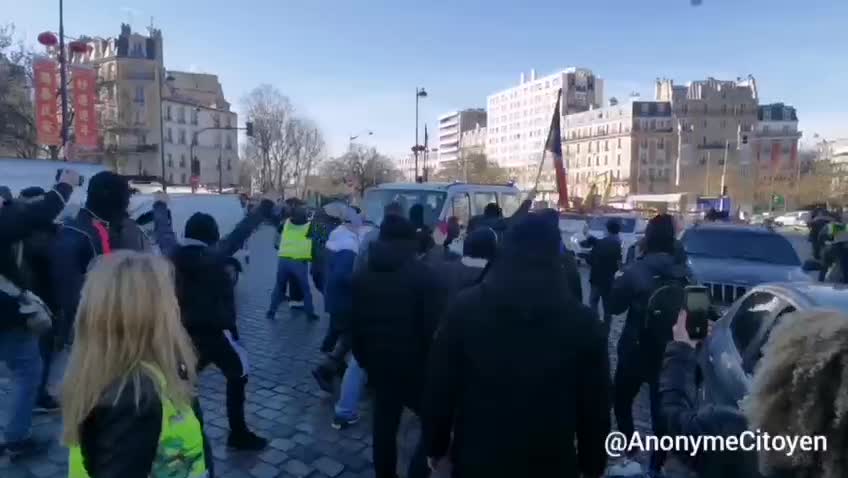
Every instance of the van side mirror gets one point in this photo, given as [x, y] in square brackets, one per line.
[811, 265]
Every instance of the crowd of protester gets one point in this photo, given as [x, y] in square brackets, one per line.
[493, 350]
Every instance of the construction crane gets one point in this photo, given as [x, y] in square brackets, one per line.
[603, 180]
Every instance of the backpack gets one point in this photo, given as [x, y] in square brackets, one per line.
[658, 319]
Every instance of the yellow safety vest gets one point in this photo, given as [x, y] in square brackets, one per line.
[293, 242]
[180, 452]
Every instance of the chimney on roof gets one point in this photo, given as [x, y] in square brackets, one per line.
[522, 78]
[532, 74]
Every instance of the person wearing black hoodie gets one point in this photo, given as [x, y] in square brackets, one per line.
[206, 296]
[640, 347]
[518, 371]
[97, 229]
[19, 343]
[396, 303]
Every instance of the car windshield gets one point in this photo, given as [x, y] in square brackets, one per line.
[377, 199]
[572, 222]
[599, 223]
[744, 245]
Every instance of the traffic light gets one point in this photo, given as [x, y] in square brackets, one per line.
[249, 127]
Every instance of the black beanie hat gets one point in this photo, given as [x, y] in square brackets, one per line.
[534, 235]
[32, 192]
[659, 234]
[396, 228]
[481, 243]
[108, 195]
[202, 227]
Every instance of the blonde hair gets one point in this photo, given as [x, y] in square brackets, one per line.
[800, 388]
[128, 322]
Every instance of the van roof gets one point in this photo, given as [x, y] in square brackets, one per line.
[444, 186]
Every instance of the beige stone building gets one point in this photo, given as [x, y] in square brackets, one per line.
[518, 118]
[624, 148]
[775, 154]
[452, 127]
[129, 68]
[715, 121]
[194, 109]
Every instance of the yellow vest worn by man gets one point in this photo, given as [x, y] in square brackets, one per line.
[294, 244]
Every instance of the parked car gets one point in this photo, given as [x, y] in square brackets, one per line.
[632, 230]
[571, 224]
[734, 345]
[730, 259]
[792, 219]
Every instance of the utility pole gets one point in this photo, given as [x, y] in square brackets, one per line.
[723, 174]
[707, 176]
[63, 79]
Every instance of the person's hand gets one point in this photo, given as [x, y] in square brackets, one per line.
[680, 333]
[161, 196]
[70, 177]
[434, 463]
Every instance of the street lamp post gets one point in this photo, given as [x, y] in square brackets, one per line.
[419, 93]
[353, 137]
[63, 77]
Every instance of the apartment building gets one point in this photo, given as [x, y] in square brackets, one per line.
[130, 68]
[716, 120]
[630, 147]
[452, 126]
[473, 141]
[197, 122]
[519, 118]
[775, 151]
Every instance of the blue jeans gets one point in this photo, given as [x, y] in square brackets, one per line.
[287, 270]
[19, 351]
[352, 384]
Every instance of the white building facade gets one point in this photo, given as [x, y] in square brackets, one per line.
[519, 117]
[215, 151]
[452, 127]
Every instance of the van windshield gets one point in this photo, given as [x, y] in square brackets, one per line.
[377, 199]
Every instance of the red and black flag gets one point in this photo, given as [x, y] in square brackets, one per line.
[553, 148]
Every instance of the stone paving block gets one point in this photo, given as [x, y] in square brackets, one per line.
[306, 454]
[282, 444]
[264, 470]
[297, 468]
[303, 439]
[273, 456]
[45, 469]
[328, 466]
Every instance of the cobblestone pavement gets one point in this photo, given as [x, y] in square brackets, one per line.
[283, 402]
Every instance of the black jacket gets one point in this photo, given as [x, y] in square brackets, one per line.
[397, 301]
[684, 417]
[77, 243]
[630, 292]
[204, 288]
[20, 225]
[519, 379]
[604, 260]
[119, 439]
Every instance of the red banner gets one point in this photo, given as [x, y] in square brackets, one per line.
[46, 82]
[85, 119]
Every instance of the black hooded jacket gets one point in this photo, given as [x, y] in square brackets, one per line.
[397, 301]
[631, 292]
[518, 382]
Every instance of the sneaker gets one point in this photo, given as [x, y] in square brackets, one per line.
[625, 468]
[325, 383]
[46, 404]
[246, 441]
[26, 448]
[340, 423]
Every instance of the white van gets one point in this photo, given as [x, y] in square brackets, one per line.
[19, 174]
[441, 201]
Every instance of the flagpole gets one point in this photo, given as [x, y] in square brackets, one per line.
[724, 173]
[542, 161]
[679, 153]
[707, 176]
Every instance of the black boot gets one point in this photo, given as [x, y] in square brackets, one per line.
[240, 437]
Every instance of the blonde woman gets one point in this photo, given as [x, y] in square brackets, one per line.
[128, 391]
[800, 388]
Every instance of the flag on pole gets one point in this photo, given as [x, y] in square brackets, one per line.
[553, 148]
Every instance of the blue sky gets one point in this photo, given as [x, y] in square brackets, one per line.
[354, 65]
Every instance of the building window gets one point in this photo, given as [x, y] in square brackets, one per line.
[169, 137]
[578, 147]
[619, 143]
[618, 161]
[705, 124]
[182, 178]
[685, 109]
[606, 160]
[182, 162]
[168, 113]
[229, 142]
[182, 137]
[705, 140]
[606, 145]
[724, 109]
[170, 161]
[194, 116]
[181, 114]
[645, 108]
[660, 143]
[229, 165]
[644, 143]
[765, 130]
[139, 94]
[171, 178]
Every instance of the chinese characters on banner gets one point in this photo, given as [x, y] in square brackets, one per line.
[46, 82]
[85, 120]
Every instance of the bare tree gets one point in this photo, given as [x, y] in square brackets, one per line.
[474, 168]
[17, 123]
[360, 168]
[269, 110]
